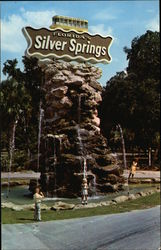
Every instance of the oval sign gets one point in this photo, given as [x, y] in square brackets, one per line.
[67, 45]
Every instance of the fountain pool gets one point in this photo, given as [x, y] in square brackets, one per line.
[20, 195]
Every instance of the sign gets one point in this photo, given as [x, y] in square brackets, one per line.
[67, 44]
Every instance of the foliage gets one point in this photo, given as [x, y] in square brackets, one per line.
[144, 56]
[132, 98]
[20, 97]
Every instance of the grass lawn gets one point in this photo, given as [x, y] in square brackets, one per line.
[9, 217]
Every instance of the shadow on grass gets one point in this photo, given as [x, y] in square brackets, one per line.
[27, 219]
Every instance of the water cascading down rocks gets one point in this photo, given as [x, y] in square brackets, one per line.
[72, 146]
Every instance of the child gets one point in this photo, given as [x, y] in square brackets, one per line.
[38, 196]
[84, 191]
[133, 168]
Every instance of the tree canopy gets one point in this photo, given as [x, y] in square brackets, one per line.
[132, 98]
[20, 97]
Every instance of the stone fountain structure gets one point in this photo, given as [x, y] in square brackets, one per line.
[72, 146]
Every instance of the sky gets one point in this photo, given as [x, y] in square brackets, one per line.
[124, 20]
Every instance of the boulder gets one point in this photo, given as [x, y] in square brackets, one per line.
[59, 92]
[66, 101]
[97, 97]
[74, 79]
[107, 188]
[106, 203]
[141, 194]
[66, 72]
[89, 205]
[62, 206]
[44, 207]
[94, 84]
[113, 179]
[59, 78]
[7, 204]
[120, 199]
[146, 181]
[132, 197]
[88, 89]
[150, 192]
[82, 73]
[93, 205]
[156, 180]
[17, 208]
[96, 120]
[134, 181]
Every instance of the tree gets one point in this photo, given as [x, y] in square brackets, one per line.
[133, 99]
[144, 56]
[20, 98]
[10, 69]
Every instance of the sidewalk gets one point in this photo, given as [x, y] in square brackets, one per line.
[34, 175]
[144, 174]
[20, 175]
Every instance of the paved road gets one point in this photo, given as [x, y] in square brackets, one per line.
[29, 175]
[137, 230]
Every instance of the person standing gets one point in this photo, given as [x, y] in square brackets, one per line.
[38, 196]
[84, 191]
[133, 168]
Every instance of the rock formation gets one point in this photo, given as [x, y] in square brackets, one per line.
[72, 144]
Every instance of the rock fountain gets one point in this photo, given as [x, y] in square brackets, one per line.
[72, 145]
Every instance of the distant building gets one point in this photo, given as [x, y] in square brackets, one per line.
[68, 23]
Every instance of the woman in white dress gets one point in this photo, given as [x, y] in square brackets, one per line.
[84, 191]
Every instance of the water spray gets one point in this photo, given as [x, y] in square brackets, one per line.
[11, 151]
[124, 153]
[41, 114]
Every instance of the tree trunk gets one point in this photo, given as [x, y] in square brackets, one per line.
[150, 157]
[156, 155]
